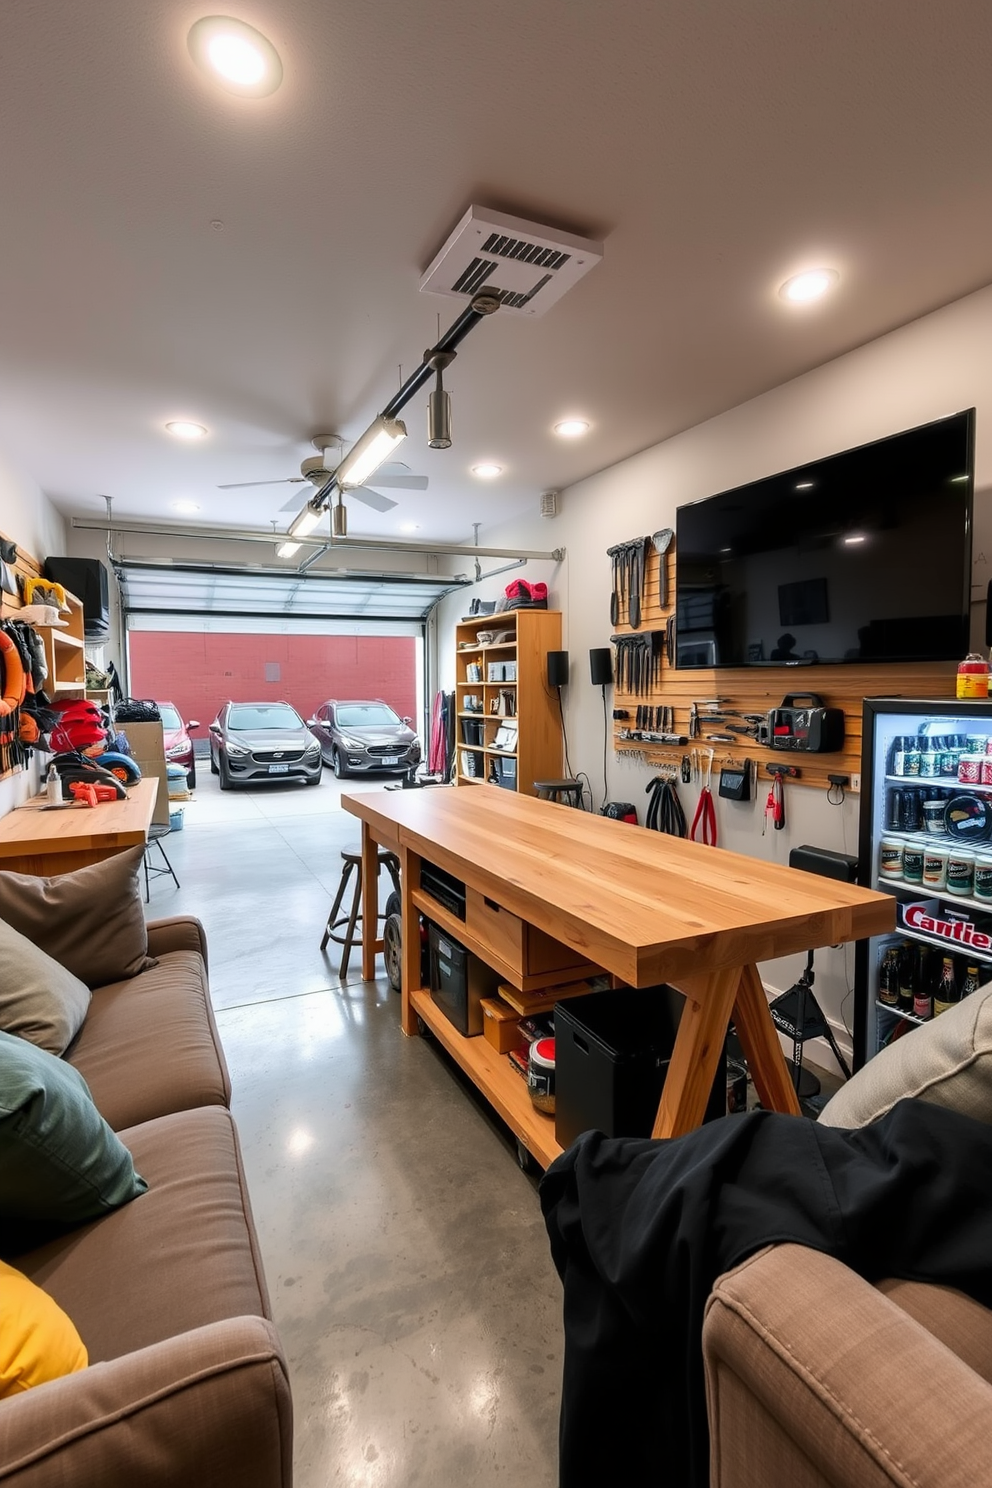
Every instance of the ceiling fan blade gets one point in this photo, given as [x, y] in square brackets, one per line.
[370, 498]
[295, 502]
[290, 480]
[402, 482]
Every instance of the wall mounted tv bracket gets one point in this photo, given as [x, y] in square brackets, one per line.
[810, 728]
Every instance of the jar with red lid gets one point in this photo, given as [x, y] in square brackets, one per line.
[541, 1074]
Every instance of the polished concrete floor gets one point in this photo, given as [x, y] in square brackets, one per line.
[405, 1251]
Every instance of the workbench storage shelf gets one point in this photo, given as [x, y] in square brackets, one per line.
[508, 725]
[757, 690]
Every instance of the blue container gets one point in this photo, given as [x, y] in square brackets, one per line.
[176, 820]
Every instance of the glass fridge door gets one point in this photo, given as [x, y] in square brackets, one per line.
[926, 838]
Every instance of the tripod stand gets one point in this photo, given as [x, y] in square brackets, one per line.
[799, 1016]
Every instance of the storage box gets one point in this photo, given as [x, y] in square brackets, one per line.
[612, 1051]
[148, 749]
[459, 981]
[501, 1025]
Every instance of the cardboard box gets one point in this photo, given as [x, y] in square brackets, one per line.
[147, 741]
[501, 1025]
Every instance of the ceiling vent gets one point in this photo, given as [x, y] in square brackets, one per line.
[525, 266]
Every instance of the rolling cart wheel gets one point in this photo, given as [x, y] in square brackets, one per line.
[422, 1028]
[392, 950]
[525, 1162]
[394, 905]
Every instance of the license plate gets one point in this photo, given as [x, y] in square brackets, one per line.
[390, 759]
[278, 769]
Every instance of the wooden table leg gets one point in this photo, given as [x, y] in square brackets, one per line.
[761, 1047]
[370, 902]
[410, 880]
[709, 1000]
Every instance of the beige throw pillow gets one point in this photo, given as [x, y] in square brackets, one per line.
[90, 921]
[39, 1000]
[947, 1061]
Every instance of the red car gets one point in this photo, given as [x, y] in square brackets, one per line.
[178, 744]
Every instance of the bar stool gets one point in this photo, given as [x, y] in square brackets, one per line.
[568, 792]
[154, 870]
[352, 860]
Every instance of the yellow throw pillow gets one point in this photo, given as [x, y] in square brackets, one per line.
[37, 1341]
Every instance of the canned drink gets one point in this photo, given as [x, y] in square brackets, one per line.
[970, 769]
[983, 876]
[893, 810]
[912, 863]
[912, 758]
[890, 857]
[977, 743]
[949, 762]
[935, 867]
[910, 813]
[960, 871]
[929, 760]
[898, 756]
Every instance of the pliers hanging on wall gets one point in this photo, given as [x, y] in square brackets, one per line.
[705, 817]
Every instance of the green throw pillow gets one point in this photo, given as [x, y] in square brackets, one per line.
[60, 1163]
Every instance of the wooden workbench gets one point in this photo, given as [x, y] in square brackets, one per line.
[50, 842]
[644, 906]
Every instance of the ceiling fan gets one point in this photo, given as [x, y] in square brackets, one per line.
[318, 468]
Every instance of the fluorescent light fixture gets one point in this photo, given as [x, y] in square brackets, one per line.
[572, 428]
[802, 288]
[855, 537]
[958, 479]
[186, 507]
[487, 471]
[306, 520]
[183, 429]
[374, 447]
[804, 485]
[287, 549]
[237, 56]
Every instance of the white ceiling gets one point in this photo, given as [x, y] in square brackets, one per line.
[716, 147]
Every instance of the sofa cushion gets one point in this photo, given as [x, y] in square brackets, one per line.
[60, 1163]
[39, 999]
[91, 921]
[947, 1061]
[149, 1046]
[38, 1342]
[184, 1255]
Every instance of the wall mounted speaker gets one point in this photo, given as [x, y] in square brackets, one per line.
[86, 578]
[601, 666]
[557, 668]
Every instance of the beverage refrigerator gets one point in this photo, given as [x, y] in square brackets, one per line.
[925, 838]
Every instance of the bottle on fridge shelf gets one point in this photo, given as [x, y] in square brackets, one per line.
[907, 977]
[923, 985]
[947, 993]
[971, 982]
[888, 978]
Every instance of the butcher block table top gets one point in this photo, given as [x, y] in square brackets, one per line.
[50, 842]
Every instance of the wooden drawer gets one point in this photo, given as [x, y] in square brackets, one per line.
[518, 945]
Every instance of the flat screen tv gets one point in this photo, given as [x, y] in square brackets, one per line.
[864, 556]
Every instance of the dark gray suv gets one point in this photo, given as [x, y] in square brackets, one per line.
[362, 735]
[262, 741]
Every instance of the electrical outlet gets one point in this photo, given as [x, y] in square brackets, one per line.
[855, 783]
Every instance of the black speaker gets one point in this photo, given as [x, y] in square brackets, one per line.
[601, 666]
[86, 578]
[557, 668]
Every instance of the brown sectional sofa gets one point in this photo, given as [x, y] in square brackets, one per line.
[187, 1382]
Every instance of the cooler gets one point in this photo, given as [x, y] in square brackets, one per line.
[459, 981]
[612, 1051]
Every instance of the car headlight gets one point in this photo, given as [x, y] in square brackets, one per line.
[312, 748]
[237, 750]
[355, 744]
[176, 749]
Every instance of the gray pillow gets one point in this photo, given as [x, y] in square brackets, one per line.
[39, 999]
[91, 921]
[947, 1061]
[60, 1163]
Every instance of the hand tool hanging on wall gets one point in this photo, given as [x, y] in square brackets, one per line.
[632, 672]
[661, 541]
[629, 561]
[657, 640]
[665, 812]
[775, 806]
[705, 817]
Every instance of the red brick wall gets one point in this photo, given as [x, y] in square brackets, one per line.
[199, 672]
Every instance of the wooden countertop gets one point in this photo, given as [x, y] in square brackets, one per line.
[646, 906]
[29, 832]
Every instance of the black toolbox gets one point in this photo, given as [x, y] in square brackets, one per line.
[459, 981]
[612, 1051]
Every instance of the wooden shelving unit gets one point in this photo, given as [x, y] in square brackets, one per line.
[538, 754]
[64, 653]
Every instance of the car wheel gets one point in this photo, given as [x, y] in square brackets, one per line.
[191, 777]
[313, 780]
[392, 951]
[340, 768]
[213, 764]
[226, 783]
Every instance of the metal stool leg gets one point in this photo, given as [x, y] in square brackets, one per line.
[342, 885]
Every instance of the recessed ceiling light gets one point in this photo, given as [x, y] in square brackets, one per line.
[186, 507]
[237, 56]
[856, 537]
[409, 526]
[182, 429]
[802, 288]
[487, 471]
[804, 485]
[572, 428]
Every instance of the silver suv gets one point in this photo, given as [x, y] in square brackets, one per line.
[364, 734]
[262, 741]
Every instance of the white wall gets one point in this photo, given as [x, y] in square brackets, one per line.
[935, 366]
[29, 519]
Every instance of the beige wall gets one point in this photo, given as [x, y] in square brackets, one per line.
[935, 366]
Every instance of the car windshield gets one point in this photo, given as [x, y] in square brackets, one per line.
[264, 716]
[365, 715]
[170, 716]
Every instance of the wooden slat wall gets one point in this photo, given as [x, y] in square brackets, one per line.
[755, 690]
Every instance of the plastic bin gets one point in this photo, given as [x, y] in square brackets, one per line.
[459, 981]
[176, 820]
[612, 1055]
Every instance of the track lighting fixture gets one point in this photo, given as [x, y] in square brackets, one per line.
[375, 446]
[306, 520]
[439, 402]
[339, 518]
